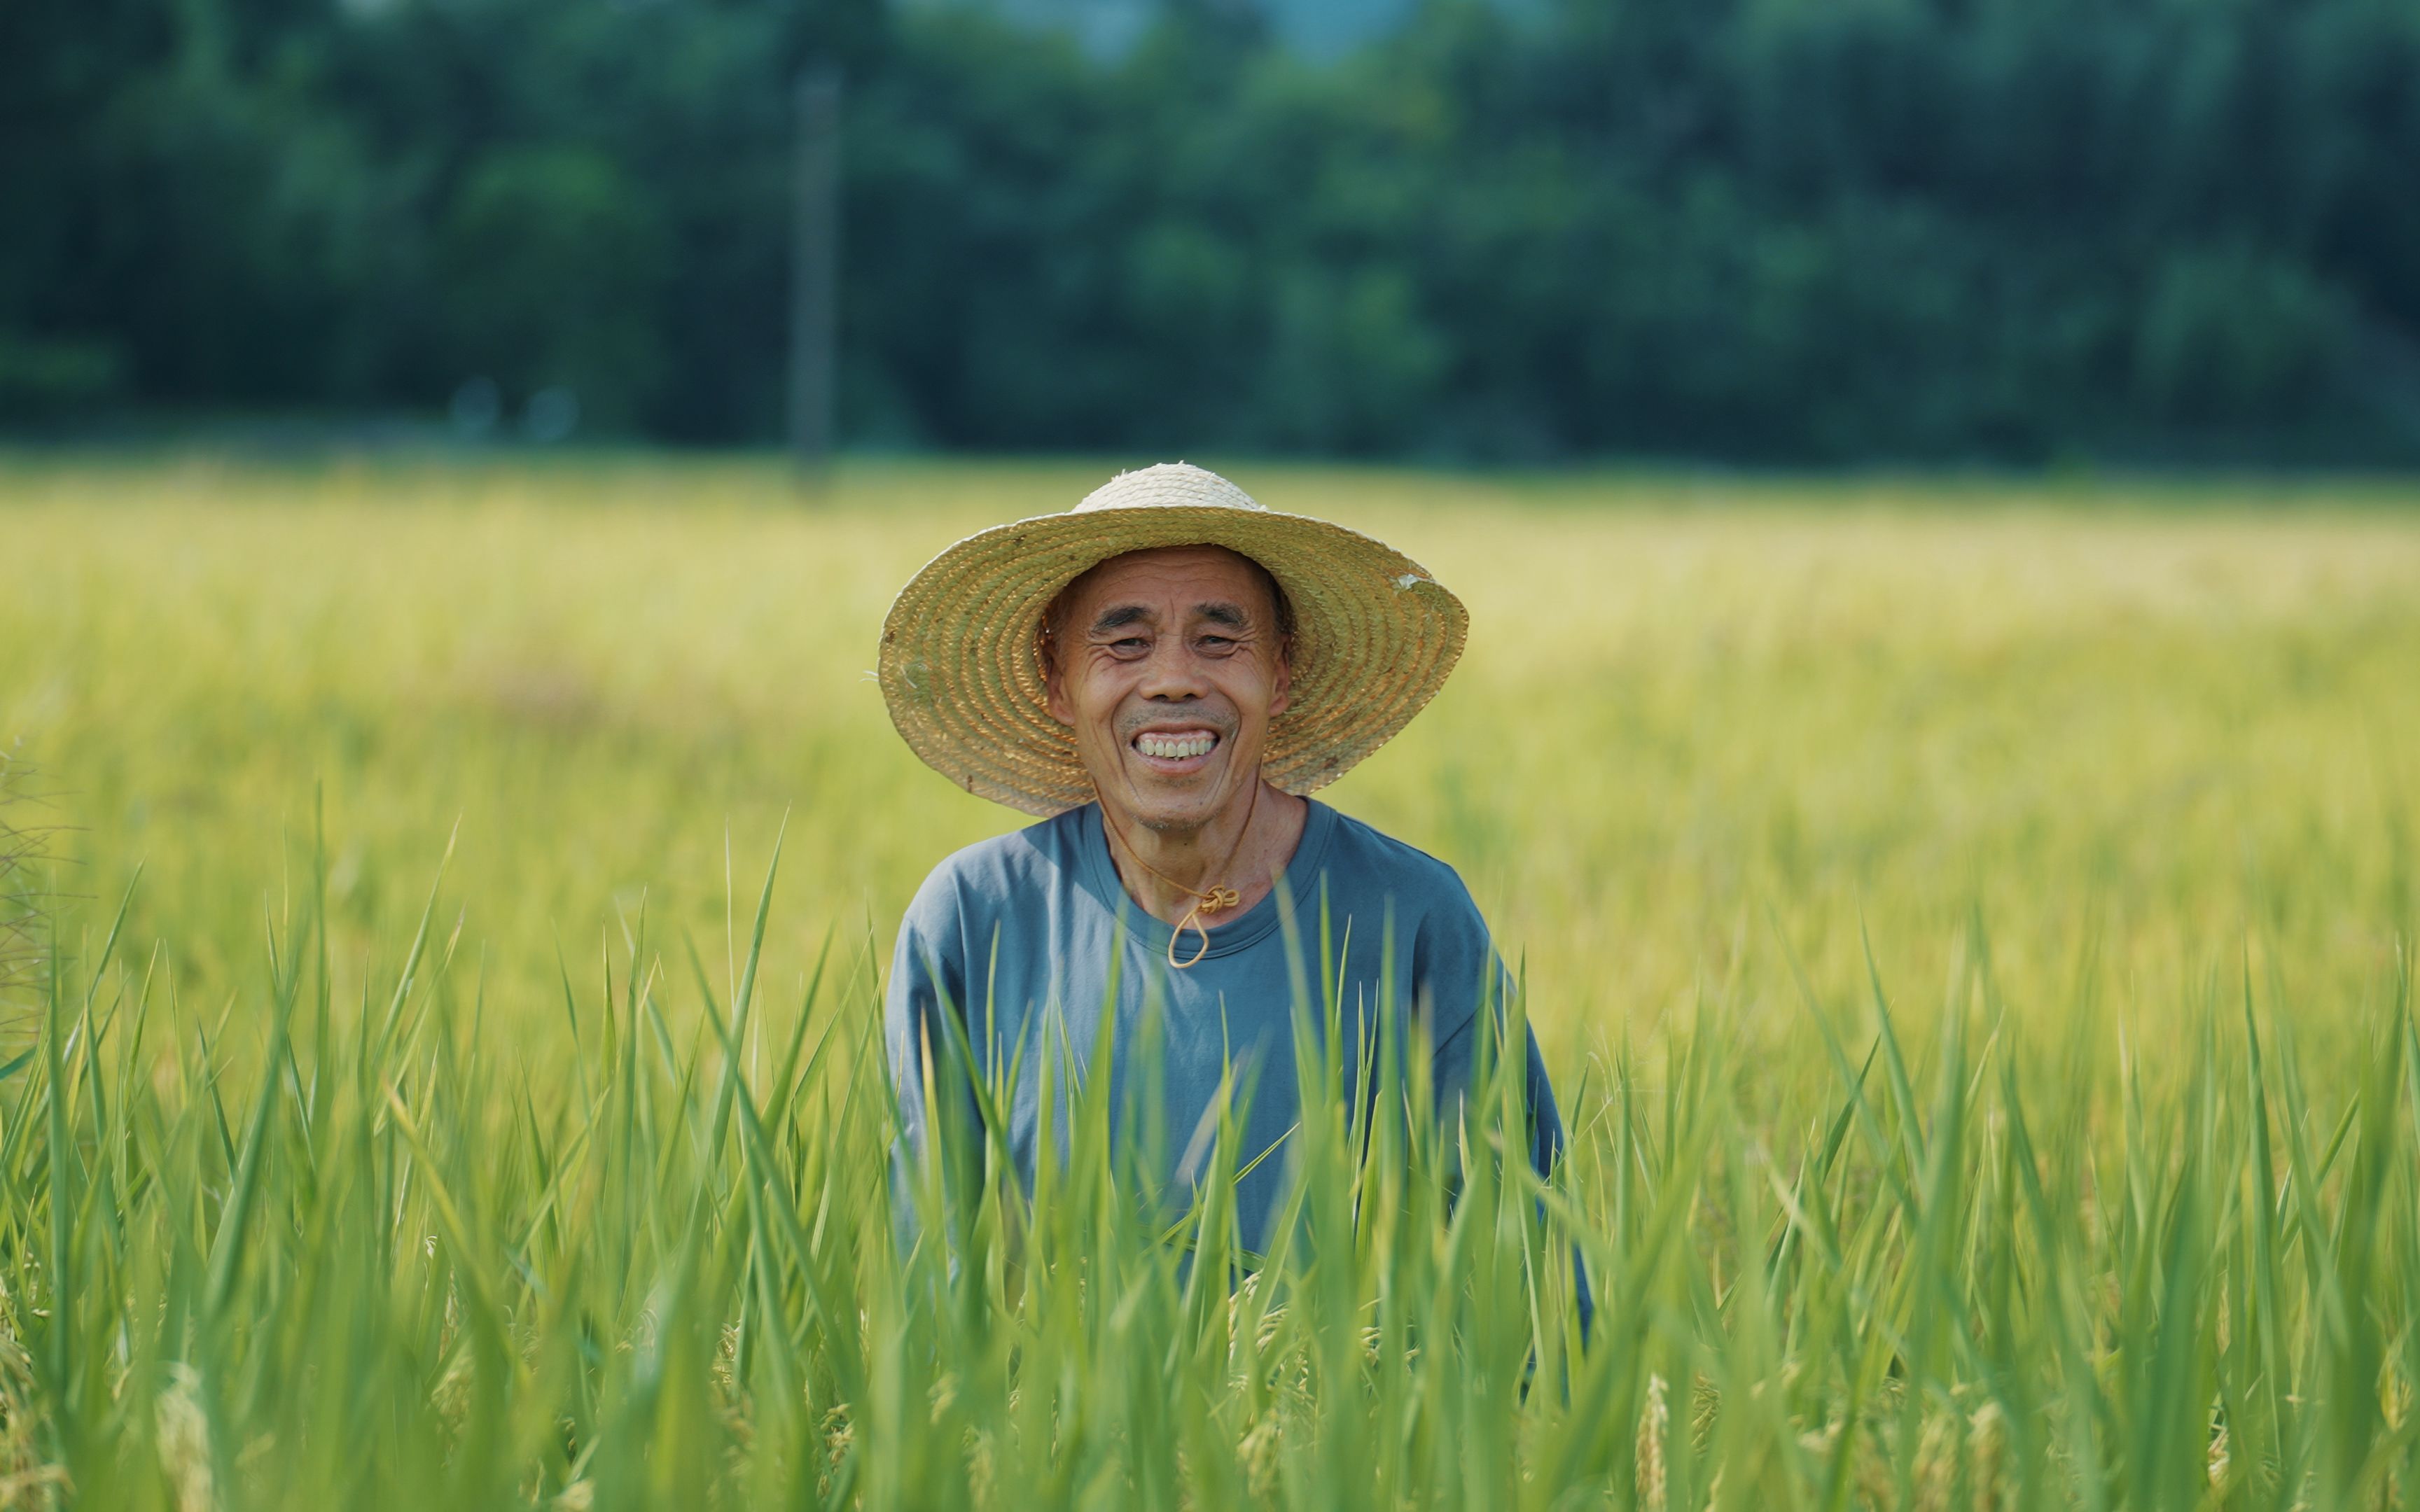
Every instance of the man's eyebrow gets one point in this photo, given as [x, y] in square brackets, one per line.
[1119, 616]
[1230, 615]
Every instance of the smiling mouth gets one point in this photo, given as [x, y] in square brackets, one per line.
[1176, 746]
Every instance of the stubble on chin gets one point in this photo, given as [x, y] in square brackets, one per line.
[1188, 813]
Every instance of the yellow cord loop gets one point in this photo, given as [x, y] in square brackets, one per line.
[1203, 905]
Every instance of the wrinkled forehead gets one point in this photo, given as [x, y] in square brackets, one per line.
[1205, 572]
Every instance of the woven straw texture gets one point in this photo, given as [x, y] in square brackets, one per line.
[1375, 636]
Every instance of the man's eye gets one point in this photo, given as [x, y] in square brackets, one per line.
[1216, 642]
[1132, 643]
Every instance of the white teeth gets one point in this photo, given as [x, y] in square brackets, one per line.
[1174, 748]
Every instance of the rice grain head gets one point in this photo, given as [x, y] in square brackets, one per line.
[1654, 1420]
[184, 1439]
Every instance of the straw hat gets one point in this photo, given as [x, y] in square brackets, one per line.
[1373, 635]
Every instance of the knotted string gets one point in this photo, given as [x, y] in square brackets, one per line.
[1217, 899]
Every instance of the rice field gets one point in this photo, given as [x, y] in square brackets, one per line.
[1969, 923]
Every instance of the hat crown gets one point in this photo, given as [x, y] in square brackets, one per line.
[1164, 485]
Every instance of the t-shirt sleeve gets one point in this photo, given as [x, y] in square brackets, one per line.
[923, 1011]
[1455, 1066]
[1456, 971]
[1463, 990]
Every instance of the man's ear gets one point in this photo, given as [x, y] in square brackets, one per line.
[1281, 682]
[1054, 690]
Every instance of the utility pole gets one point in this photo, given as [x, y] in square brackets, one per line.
[814, 271]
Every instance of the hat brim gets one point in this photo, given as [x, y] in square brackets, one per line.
[1374, 638]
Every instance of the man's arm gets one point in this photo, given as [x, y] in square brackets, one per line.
[1461, 952]
[924, 1025]
[1455, 1064]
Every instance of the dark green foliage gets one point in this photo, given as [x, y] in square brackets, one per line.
[1752, 228]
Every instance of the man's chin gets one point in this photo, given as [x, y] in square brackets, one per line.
[1172, 803]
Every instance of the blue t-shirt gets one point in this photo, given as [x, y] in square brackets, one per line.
[1019, 935]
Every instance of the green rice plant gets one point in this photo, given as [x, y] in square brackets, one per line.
[23, 901]
[304, 1252]
[322, 1185]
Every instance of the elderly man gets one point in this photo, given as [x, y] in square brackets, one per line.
[1165, 672]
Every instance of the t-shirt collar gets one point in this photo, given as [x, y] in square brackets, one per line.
[1258, 921]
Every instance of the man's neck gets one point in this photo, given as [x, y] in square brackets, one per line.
[1243, 847]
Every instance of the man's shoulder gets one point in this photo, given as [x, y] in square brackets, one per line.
[1002, 867]
[1361, 855]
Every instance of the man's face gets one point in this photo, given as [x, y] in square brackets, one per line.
[1168, 665]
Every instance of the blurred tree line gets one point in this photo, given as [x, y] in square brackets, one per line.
[1784, 229]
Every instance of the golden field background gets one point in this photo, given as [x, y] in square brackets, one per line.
[2151, 735]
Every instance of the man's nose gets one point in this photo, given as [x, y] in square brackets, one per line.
[1173, 673]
